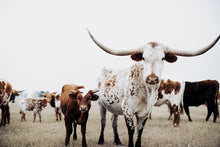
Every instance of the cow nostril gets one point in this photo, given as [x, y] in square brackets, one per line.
[83, 108]
[152, 80]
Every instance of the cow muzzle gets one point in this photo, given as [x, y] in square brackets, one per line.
[83, 108]
[152, 79]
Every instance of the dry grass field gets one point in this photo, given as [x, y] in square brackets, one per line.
[158, 132]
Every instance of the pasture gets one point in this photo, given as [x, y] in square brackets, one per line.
[158, 132]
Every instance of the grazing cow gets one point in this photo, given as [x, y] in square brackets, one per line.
[202, 92]
[54, 100]
[76, 108]
[134, 91]
[32, 104]
[6, 94]
[171, 93]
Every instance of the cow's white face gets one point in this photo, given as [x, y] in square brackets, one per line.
[153, 58]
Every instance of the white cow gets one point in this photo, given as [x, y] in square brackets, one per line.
[32, 104]
[171, 92]
[134, 91]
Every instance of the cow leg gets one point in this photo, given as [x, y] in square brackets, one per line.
[130, 126]
[75, 134]
[187, 112]
[56, 113]
[34, 116]
[171, 113]
[83, 131]
[150, 115]
[115, 129]
[24, 117]
[3, 121]
[69, 130]
[215, 112]
[60, 116]
[210, 110]
[39, 116]
[140, 127]
[103, 120]
[7, 114]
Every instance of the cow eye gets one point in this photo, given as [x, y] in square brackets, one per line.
[163, 58]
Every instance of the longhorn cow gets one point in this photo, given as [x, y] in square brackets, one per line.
[134, 91]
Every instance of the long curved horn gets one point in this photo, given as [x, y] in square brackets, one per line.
[195, 52]
[113, 51]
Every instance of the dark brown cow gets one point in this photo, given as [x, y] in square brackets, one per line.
[76, 107]
[203, 92]
[6, 95]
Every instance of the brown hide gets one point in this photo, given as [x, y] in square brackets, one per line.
[64, 98]
[202, 92]
[5, 88]
[75, 107]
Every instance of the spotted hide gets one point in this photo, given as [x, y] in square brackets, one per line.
[75, 106]
[171, 93]
[32, 104]
[134, 91]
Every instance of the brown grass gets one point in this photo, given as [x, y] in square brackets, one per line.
[158, 132]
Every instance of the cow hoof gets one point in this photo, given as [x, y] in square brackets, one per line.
[101, 142]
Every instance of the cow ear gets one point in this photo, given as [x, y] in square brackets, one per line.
[94, 95]
[170, 57]
[137, 56]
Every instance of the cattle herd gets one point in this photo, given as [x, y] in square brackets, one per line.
[132, 91]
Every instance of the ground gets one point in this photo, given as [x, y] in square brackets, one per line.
[158, 132]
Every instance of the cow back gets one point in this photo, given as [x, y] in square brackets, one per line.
[197, 93]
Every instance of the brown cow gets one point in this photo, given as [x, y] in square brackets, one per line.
[6, 94]
[76, 107]
[54, 100]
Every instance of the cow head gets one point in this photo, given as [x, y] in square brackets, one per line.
[14, 94]
[50, 98]
[43, 102]
[153, 56]
[83, 102]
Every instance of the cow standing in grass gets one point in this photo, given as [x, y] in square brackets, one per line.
[54, 100]
[171, 93]
[134, 91]
[75, 108]
[32, 104]
[202, 92]
[7, 94]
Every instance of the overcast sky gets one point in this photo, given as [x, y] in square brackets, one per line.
[44, 44]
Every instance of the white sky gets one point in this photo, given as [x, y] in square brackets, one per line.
[44, 44]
